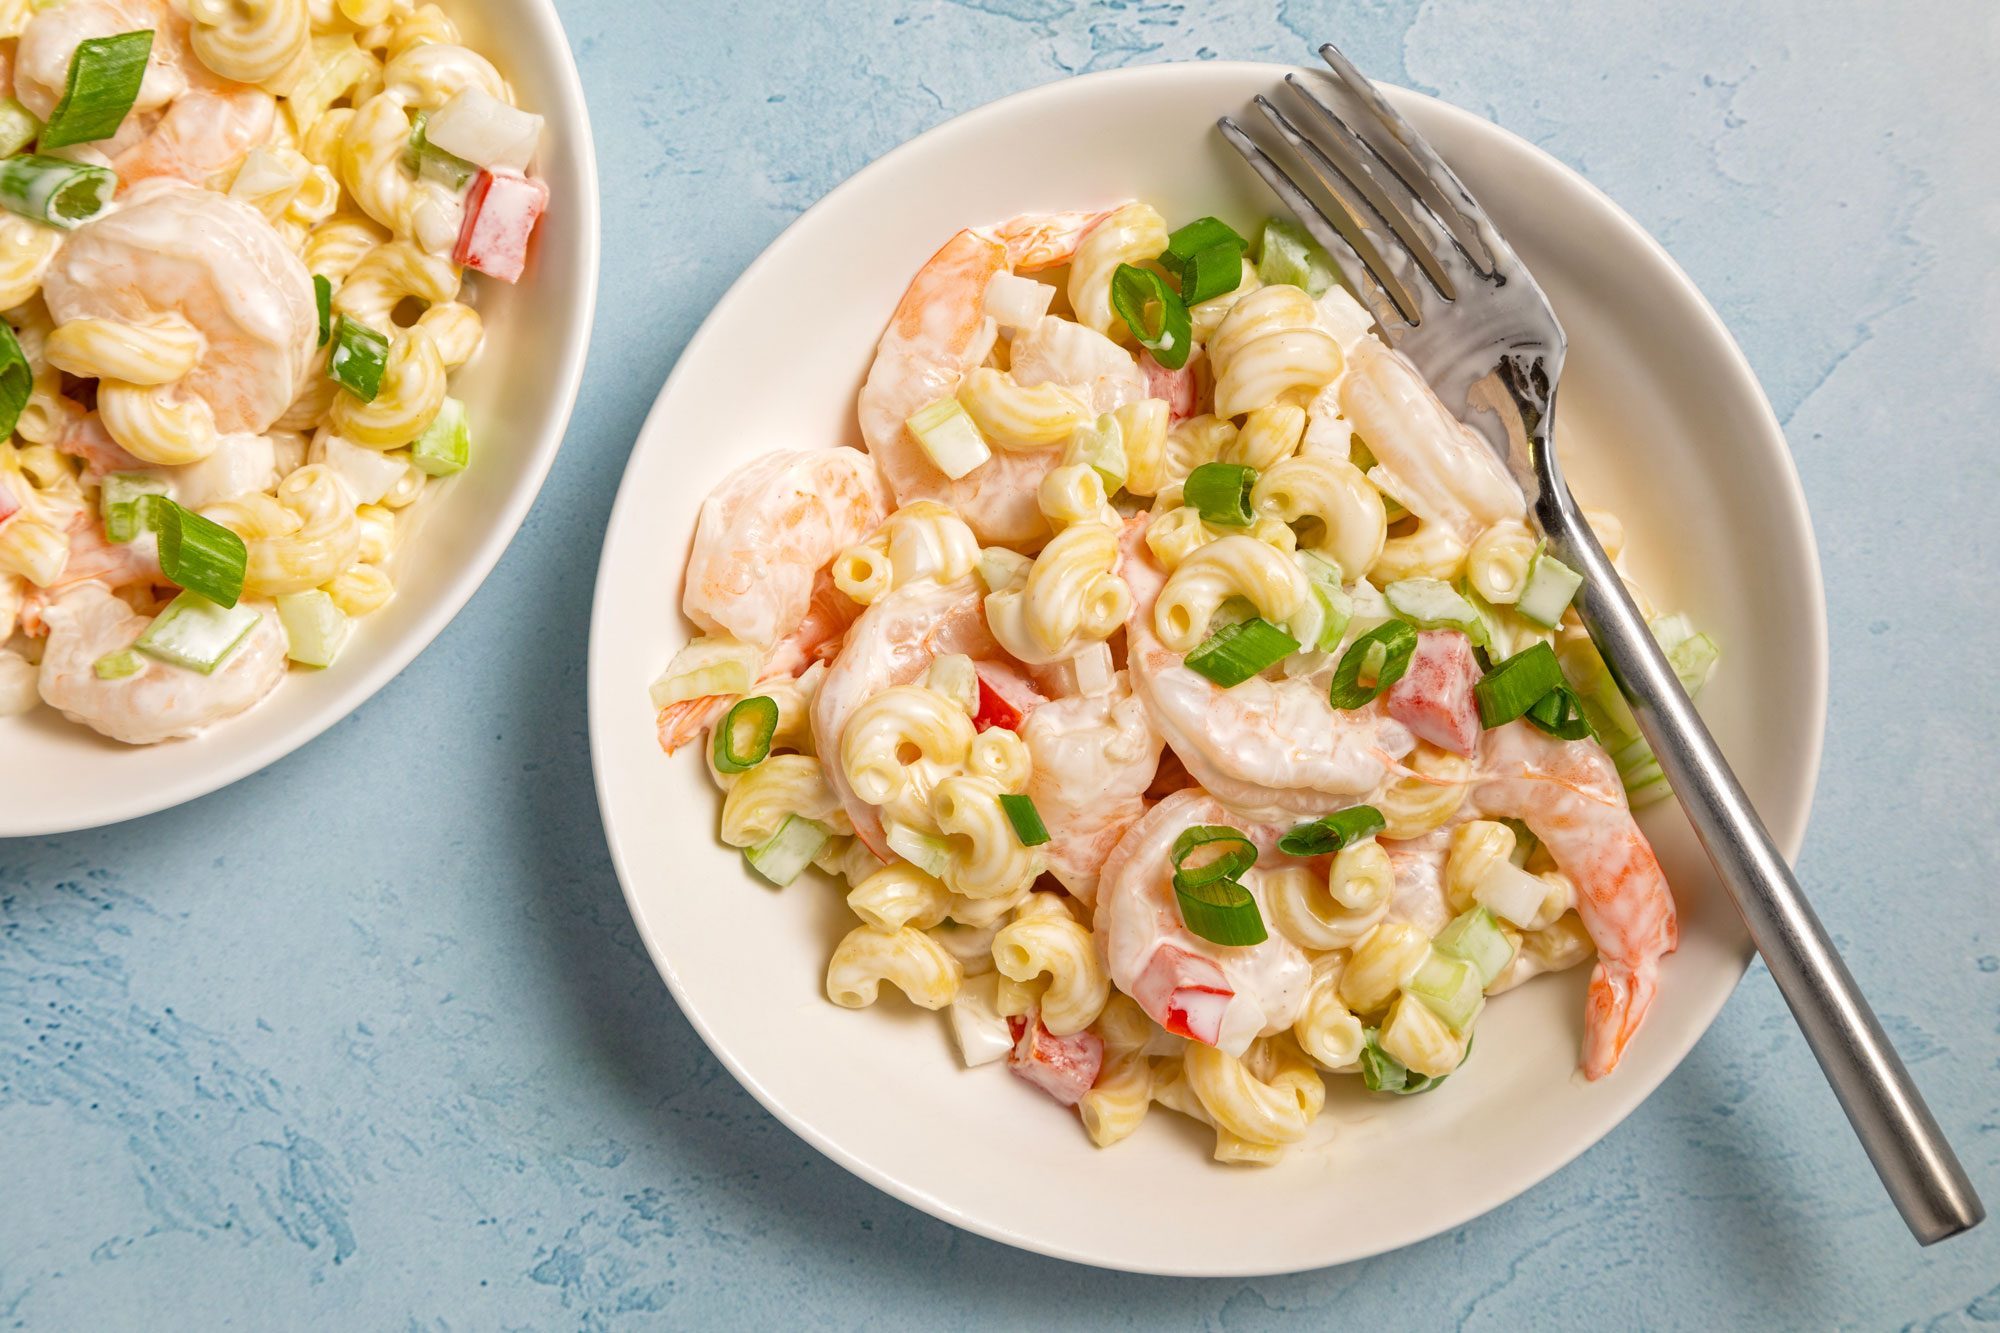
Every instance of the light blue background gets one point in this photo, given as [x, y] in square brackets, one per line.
[369, 1040]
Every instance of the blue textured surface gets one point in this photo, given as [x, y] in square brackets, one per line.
[369, 1039]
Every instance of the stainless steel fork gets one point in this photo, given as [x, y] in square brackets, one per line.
[1450, 294]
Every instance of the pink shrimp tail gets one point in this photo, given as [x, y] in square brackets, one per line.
[682, 723]
[1037, 241]
[1619, 999]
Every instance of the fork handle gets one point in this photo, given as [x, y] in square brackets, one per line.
[1917, 1166]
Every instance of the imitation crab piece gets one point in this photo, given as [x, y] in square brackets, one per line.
[1190, 991]
[1177, 387]
[1006, 696]
[1063, 1067]
[501, 211]
[1435, 698]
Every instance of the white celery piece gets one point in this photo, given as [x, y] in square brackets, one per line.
[484, 130]
[976, 1025]
[1551, 584]
[926, 852]
[264, 179]
[782, 857]
[1101, 444]
[1016, 302]
[1089, 672]
[315, 629]
[368, 473]
[707, 666]
[949, 438]
[1513, 895]
[1002, 570]
[195, 633]
[952, 675]
[1693, 656]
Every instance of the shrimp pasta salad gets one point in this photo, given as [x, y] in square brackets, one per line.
[233, 265]
[1176, 688]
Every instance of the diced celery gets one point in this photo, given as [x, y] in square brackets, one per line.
[195, 633]
[1525, 841]
[982, 1034]
[1595, 687]
[1550, 587]
[1512, 894]
[1002, 570]
[1286, 254]
[18, 127]
[1693, 656]
[1475, 936]
[1322, 622]
[1017, 302]
[927, 853]
[707, 666]
[1101, 444]
[949, 438]
[118, 499]
[118, 665]
[1420, 1039]
[952, 676]
[1435, 604]
[1452, 988]
[1507, 631]
[315, 629]
[445, 446]
[781, 857]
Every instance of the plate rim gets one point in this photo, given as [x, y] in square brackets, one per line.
[508, 520]
[625, 503]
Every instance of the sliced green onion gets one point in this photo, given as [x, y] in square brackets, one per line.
[1329, 833]
[932, 855]
[195, 633]
[743, 741]
[1211, 273]
[54, 190]
[445, 446]
[104, 78]
[323, 298]
[1237, 652]
[1222, 912]
[426, 161]
[1155, 315]
[1597, 690]
[1286, 254]
[781, 857]
[1383, 1072]
[1235, 854]
[1475, 936]
[118, 665]
[949, 437]
[1435, 604]
[359, 354]
[1396, 639]
[1450, 988]
[197, 553]
[1221, 493]
[1027, 820]
[1516, 685]
[1560, 715]
[119, 497]
[315, 629]
[1525, 841]
[1550, 587]
[1196, 238]
[18, 127]
[17, 379]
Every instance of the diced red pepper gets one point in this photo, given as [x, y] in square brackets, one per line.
[1063, 1067]
[1178, 387]
[1184, 993]
[1005, 696]
[501, 211]
[994, 711]
[1435, 697]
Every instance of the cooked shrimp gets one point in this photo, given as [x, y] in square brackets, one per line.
[1266, 748]
[1568, 794]
[1094, 756]
[1223, 996]
[766, 532]
[1080, 359]
[176, 255]
[893, 643]
[160, 701]
[201, 136]
[87, 439]
[939, 332]
[1441, 471]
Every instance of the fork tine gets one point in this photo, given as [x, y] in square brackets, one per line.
[1360, 277]
[1344, 184]
[1423, 172]
[1402, 209]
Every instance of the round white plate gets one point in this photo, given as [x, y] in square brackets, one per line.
[56, 776]
[1662, 420]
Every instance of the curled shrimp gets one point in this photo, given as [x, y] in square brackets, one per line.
[1223, 996]
[1094, 757]
[211, 283]
[767, 531]
[1568, 794]
[1439, 469]
[160, 701]
[893, 643]
[1266, 748]
[939, 332]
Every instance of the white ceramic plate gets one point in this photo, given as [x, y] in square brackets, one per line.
[1661, 419]
[55, 776]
